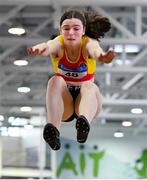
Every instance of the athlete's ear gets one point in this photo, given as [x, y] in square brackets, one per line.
[60, 30]
[83, 30]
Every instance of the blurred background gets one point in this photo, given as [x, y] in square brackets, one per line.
[117, 146]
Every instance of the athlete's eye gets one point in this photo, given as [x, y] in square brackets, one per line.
[76, 29]
[66, 29]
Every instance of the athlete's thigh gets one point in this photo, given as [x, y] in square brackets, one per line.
[68, 104]
[77, 103]
[99, 101]
[98, 97]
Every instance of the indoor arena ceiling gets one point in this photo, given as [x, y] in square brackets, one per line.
[123, 83]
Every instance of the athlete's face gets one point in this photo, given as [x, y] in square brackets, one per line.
[72, 31]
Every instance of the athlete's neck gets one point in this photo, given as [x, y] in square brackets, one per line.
[73, 52]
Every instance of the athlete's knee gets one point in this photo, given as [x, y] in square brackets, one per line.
[87, 86]
[56, 82]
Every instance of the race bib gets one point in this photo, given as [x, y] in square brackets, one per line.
[78, 72]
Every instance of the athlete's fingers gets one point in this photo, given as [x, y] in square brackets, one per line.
[29, 51]
[36, 51]
[107, 57]
[43, 51]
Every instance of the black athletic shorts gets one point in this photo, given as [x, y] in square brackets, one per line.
[74, 91]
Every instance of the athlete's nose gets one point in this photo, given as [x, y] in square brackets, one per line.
[71, 31]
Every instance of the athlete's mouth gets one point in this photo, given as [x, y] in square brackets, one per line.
[70, 39]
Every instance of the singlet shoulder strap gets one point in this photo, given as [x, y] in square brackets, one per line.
[84, 40]
[83, 43]
[60, 38]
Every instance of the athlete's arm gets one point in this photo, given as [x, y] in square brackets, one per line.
[96, 52]
[46, 48]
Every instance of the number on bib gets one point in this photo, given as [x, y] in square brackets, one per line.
[71, 74]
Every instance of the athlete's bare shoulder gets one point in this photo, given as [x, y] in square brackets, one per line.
[55, 46]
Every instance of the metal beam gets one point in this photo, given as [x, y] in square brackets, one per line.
[114, 22]
[114, 3]
[123, 41]
[132, 81]
[41, 26]
[126, 14]
[12, 13]
[112, 102]
[122, 116]
[128, 102]
[47, 69]
[25, 172]
[138, 57]
[138, 27]
[140, 127]
[8, 52]
[10, 41]
[7, 79]
[124, 69]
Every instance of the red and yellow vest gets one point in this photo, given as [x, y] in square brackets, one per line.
[83, 69]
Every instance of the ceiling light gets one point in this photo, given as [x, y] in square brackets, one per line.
[127, 123]
[3, 128]
[11, 119]
[129, 48]
[4, 133]
[127, 62]
[120, 62]
[19, 122]
[16, 31]
[1, 118]
[136, 111]
[25, 108]
[21, 62]
[28, 126]
[14, 131]
[118, 134]
[23, 89]
[35, 121]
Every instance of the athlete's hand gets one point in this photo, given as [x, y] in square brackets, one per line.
[37, 50]
[107, 57]
[32, 51]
